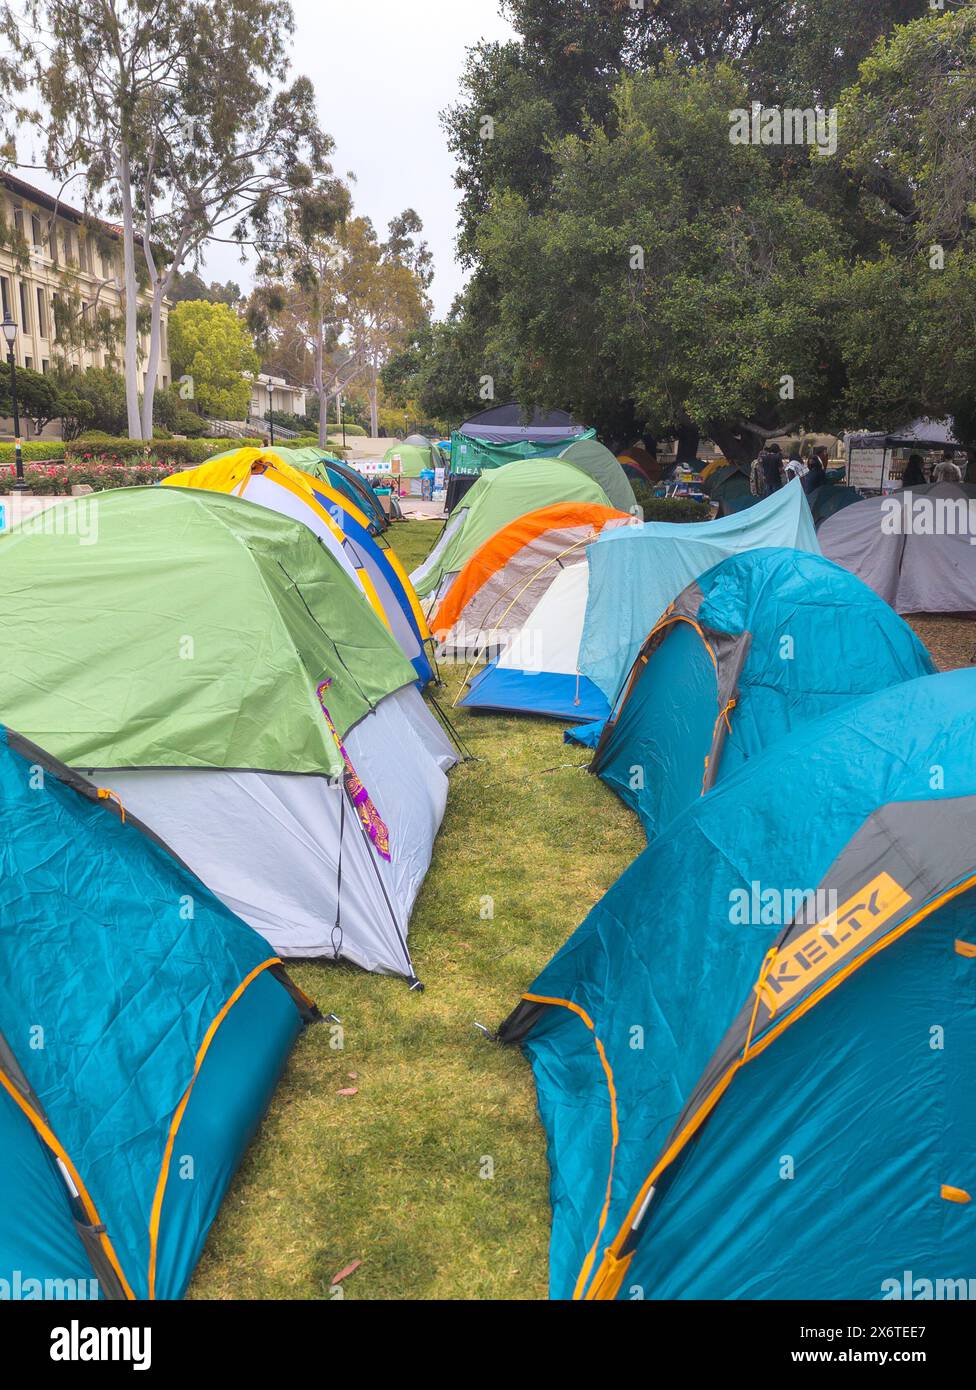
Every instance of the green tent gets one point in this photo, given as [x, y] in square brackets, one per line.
[200, 657]
[471, 455]
[596, 460]
[498, 497]
[415, 454]
[174, 570]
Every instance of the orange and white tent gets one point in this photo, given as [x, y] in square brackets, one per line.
[506, 579]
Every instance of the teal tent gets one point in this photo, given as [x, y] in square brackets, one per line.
[636, 571]
[142, 1026]
[831, 497]
[728, 485]
[754, 1059]
[759, 645]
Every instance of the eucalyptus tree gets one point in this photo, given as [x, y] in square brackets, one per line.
[177, 115]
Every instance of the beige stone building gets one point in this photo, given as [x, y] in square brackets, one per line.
[61, 281]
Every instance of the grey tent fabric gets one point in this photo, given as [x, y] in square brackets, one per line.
[506, 424]
[913, 548]
[596, 459]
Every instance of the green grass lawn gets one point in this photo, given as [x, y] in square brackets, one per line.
[393, 1176]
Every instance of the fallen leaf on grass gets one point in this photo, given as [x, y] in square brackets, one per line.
[348, 1091]
[344, 1273]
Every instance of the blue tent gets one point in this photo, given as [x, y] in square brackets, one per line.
[636, 571]
[359, 490]
[142, 1030]
[390, 580]
[759, 645]
[754, 1059]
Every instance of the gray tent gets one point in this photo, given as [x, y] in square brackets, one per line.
[506, 424]
[914, 548]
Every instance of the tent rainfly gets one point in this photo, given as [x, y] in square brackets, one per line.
[763, 981]
[340, 525]
[164, 1032]
[499, 497]
[636, 571]
[213, 664]
[914, 548]
[758, 646]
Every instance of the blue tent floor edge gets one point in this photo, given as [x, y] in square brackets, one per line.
[506, 690]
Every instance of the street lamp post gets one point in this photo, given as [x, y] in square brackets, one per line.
[10, 334]
[271, 409]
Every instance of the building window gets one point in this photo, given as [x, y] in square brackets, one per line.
[36, 231]
[29, 363]
[45, 365]
[41, 313]
[24, 308]
[19, 221]
[4, 295]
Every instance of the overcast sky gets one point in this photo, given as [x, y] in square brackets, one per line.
[383, 71]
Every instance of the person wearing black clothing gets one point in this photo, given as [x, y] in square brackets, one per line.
[914, 474]
[815, 474]
[771, 460]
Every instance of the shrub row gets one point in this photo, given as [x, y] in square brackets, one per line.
[110, 449]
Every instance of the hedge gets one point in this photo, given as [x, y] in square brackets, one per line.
[673, 509]
[34, 449]
[110, 448]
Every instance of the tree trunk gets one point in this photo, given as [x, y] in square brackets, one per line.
[374, 411]
[739, 446]
[131, 290]
[320, 387]
[688, 439]
[155, 352]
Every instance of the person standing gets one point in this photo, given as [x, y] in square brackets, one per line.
[948, 471]
[795, 465]
[914, 474]
[772, 461]
[815, 474]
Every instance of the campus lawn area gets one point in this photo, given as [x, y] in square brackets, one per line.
[393, 1175]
